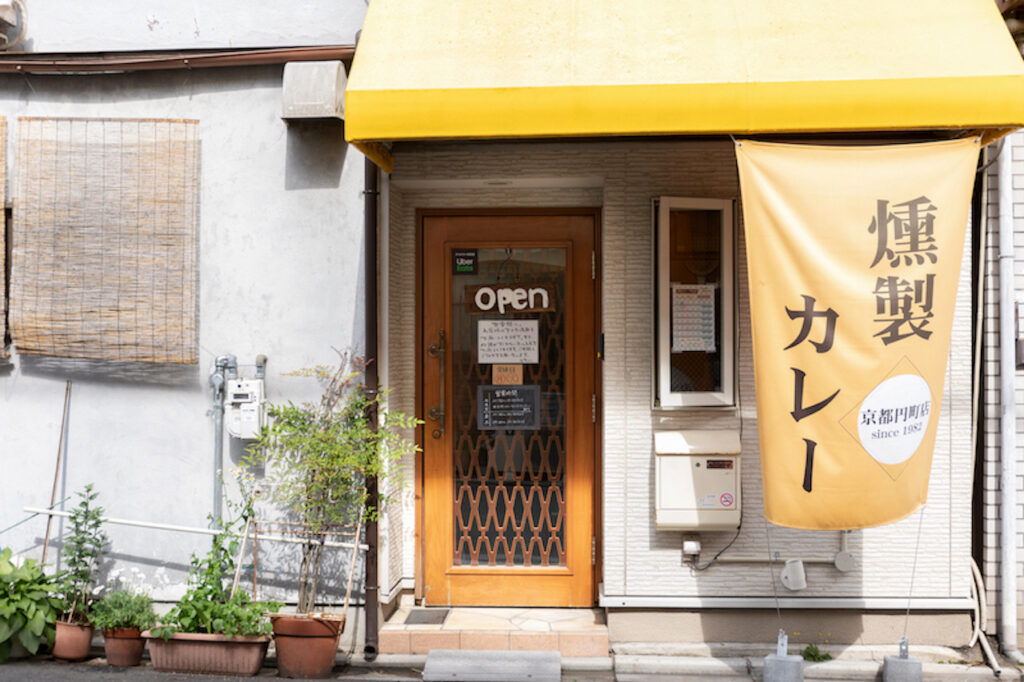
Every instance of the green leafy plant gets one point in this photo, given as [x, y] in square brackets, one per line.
[812, 653]
[319, 456]
[27, 611]
[123, 609]
[208, 605]
[83, 550]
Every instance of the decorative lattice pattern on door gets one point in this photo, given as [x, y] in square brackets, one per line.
[509, 497]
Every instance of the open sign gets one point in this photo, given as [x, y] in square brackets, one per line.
[503, 299]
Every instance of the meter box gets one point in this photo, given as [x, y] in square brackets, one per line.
[246, 408]
[697, 480]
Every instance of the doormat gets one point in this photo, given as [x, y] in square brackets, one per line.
[426, 617]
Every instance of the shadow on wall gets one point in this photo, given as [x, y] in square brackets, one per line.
[277, 565]
[163, 374]
[314, 154]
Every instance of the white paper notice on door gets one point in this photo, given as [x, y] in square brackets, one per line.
[507, 342]
[693, 318]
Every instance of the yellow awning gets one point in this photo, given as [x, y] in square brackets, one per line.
[484, 69]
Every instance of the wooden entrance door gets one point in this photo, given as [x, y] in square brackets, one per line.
[508, 394]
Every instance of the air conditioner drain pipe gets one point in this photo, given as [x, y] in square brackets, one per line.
[224, 367]
[981, 619]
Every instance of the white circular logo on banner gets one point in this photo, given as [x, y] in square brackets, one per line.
[894, 417]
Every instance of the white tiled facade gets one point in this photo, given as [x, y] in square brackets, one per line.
[622, 178]
[1013, 144]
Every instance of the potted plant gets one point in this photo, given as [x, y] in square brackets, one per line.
[27, 611]
[122, 615]
[83, 550]
[213, 629]
[318, 457]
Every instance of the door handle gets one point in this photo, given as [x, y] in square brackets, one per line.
[436, 412]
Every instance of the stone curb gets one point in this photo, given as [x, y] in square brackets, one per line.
[389, 661]
[571, 664]
[592, 664]
[826, 670]
[686, 665]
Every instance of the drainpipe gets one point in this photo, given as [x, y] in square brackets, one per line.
[370, 194]
[225, 367]
[1007, 416]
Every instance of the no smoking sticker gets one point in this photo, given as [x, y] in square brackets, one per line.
[726, 500]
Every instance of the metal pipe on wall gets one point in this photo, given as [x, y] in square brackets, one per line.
[190, 529]
[370, 198]
[1007, 416]
[225, 367]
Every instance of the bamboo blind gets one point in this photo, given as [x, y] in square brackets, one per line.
[105, 239]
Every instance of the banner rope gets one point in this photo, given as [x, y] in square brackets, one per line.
[913, 569]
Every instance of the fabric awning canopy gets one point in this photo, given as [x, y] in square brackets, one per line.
[485, 69]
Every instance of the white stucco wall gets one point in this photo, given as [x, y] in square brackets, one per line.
[280, 262]
[638, 561]
[135, 25]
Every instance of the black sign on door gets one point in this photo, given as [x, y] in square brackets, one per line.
[464, 261]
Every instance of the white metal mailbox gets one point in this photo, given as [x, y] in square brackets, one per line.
[697, 480]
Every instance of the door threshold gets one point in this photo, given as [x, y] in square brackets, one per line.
[575, 633]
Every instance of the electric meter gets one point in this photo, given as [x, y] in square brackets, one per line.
[246, 407]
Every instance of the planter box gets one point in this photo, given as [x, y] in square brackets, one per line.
[187, 652]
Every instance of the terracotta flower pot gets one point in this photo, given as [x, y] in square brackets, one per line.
[192, 652]
[123, 646]
[73, 642]
[306, 645]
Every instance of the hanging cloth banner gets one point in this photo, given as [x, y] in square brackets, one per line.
[854, 260]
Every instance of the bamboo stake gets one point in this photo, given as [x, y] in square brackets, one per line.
[352, 567]
[255, 557]
[56, 472]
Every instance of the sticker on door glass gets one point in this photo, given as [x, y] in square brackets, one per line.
[507, 342]
[508, 407]
[507, 375]
[464, 261]
[894, 417]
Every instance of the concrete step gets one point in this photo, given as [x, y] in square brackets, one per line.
[459, 665]
[574, 633]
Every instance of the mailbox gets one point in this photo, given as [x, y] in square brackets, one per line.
[697, 480]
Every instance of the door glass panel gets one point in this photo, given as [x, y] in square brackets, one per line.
[508, 353]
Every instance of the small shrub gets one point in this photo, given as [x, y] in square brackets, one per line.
[123, 609]
[815, 655]
[209, 606]
[27, 611]
[83, 551]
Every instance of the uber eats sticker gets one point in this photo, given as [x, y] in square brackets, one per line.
[464, 261]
